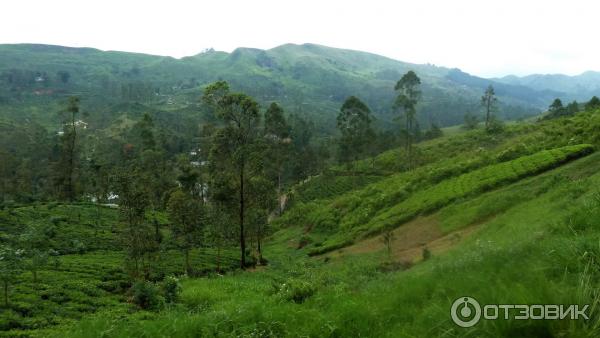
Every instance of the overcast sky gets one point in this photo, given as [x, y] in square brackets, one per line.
[486, 38]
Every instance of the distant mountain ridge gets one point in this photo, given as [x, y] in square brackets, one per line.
[307, 79]
[578, 87]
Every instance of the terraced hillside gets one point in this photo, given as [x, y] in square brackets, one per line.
[85, 273]
[509, 218]
[452, 168]
[533, 241]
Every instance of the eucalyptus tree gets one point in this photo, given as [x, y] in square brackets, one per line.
[10, 268]
[237, 153]
[187, 217]
[409, 94]
[489, 101]
[277, 134]
[66, 167]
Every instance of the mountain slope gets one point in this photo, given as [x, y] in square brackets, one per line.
[451, 168]
[580, 87]
[308, 79]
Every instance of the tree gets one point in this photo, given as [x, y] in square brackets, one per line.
[433, 132]
[488, 101]
[387, 239]
[187, 219]
[593, 103]
[262, 201]
[10, 268]
[572, 108]
[409, 94]
[68, 159]
[145, 128]
[36, 254]
[218, 231]
[354, 123]
[304, 160]
[556, 108]
[64, 76]
[277, 134]
[137, 237]
[235, 150]
[471, 121]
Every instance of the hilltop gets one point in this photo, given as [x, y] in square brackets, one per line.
[308, 79]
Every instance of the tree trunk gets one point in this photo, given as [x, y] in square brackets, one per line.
[187, 262]
[279, 192]
[242, 239]
[156, 227]
[219, 258]
[70, 169]
[487, 112]
[5, 293]
[259, 248]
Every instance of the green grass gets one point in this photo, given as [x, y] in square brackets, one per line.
[535, 241]
[328, 186]
[89, 275]
[391, 202]
[517, 257]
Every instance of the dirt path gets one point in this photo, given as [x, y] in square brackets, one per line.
[410, 240]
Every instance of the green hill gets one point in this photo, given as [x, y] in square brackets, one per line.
[308, 79]
[529, 237]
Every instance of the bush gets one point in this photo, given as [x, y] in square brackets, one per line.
[426, 253]
[56, 220]
[304, 241]
[171, 289]
[296, 290]
[145, 295]
[495, 126]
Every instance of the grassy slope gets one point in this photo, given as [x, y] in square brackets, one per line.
[332, 221]
[516, 256]
[536, 242]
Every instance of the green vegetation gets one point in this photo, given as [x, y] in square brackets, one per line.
[182, 208]
[552, 264]
[368, 217]
[309, 79]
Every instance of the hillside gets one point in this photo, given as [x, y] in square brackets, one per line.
[579, 87]
[309, 79]
[342, 209]
[466, 221]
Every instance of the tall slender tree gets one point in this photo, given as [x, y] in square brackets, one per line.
[235, 146]
[409, 94]
[187, 218]
[68, 159]
[488, 101]
[277, 134]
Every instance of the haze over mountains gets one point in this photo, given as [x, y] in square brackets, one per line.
[307, 79]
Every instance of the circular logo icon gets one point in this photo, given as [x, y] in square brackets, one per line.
[465, 312]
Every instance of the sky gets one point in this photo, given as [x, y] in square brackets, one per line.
[485, 38]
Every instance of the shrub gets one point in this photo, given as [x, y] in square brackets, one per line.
[171, 289]
[296, 290]
[426, 253]
[145, 295]
[304, 241]
[56, 220]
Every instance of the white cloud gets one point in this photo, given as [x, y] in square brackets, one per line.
[483, 38]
